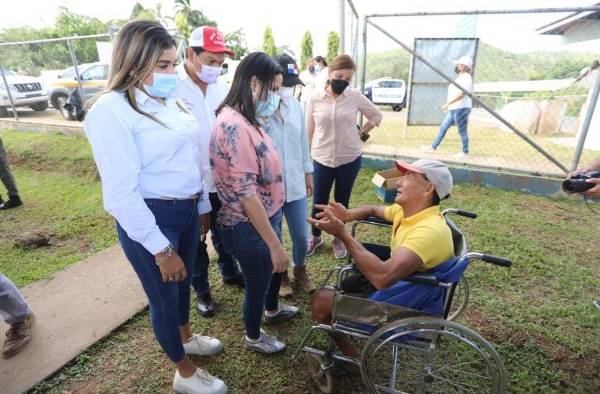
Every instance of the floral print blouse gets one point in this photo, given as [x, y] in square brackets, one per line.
[245, 162]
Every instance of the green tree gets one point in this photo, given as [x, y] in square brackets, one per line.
[306, 50]
[187, 19]
[269, 42]
[139, 12]
[285, 49]
[236, 41]
[333, 45]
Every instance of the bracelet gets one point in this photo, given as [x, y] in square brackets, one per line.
[168, 252]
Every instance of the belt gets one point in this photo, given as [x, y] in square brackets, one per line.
[195, 197]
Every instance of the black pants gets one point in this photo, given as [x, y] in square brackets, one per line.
[357, 284]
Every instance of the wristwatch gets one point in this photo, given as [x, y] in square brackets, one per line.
[166, 253]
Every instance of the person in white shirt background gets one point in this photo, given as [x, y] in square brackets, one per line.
[201, 89]
[286, 127]
[147, 148]
[458, 106]
[313, 78]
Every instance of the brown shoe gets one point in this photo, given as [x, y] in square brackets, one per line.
[285, 290]
[302, 279]
[17, 336]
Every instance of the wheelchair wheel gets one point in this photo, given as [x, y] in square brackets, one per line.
[460, 299]
[419, 355]
[320, 371]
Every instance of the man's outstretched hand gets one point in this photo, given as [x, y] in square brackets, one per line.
[329, 222]
[337, 209]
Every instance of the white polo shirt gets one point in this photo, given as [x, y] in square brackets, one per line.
[203, 108]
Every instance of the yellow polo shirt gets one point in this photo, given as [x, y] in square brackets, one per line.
[425, 233]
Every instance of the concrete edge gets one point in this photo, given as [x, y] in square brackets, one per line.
[538, 185]
[41, 127]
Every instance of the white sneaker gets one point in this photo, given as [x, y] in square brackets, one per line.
[201, 382]
[202, 345]
[427, 149]
[461, 155]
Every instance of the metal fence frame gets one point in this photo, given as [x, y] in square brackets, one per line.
[69, 41]
[593, 94]
[181, 46]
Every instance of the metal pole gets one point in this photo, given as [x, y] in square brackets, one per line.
[587, 120]
[474, 98]
[47, 40]
[10, 97]
[74, 60]
[355, 48]
[363, 71]
[342, 26]
[491, 12]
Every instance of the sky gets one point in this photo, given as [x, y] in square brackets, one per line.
[290, 20]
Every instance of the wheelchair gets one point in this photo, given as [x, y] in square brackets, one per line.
[409, 350]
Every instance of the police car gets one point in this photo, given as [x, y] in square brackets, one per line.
[387, 91]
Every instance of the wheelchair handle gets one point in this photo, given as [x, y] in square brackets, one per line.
[502, 261]
[460, 212]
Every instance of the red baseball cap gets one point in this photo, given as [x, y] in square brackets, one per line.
[210, 39]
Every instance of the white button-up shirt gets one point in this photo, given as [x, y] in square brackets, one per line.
[139, 158]
[287, 129]
[204, 108]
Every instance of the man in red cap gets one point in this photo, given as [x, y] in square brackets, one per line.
[201, 90]
[420, 238]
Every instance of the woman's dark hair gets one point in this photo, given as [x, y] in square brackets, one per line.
[321, 59]
[256, 64]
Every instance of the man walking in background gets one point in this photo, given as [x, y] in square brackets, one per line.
[9, 182]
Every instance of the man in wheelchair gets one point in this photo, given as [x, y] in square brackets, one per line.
[420, 239]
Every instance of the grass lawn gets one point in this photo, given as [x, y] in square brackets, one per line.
[538, 314]
[58, 183]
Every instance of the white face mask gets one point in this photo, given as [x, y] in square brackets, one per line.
[286, 93]
[317, 68]
[209, 74]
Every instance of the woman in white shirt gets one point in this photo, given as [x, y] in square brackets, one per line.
[146, 147]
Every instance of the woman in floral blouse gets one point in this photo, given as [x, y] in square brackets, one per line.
[248, 175]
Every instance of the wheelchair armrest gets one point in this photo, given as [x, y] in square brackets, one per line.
[422, 279]
[376, 220]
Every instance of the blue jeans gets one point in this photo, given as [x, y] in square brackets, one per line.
[226, 263]
[460, 118]
[169, 301]
[244, 243]
[324, 177]
[13, 307]
[295, 213]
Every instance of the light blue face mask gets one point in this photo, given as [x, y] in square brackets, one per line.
[164, 85]
[265, 108]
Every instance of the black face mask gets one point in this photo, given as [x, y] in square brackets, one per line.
[311, 69]
[338, 85]
[456, 69]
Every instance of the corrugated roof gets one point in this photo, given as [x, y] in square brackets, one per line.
[562, 25]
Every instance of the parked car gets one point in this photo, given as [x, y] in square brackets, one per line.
[93, 80]
[387, 91]
[26, 91]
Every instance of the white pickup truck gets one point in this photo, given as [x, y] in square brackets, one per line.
[387, 91]
[25, 91]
